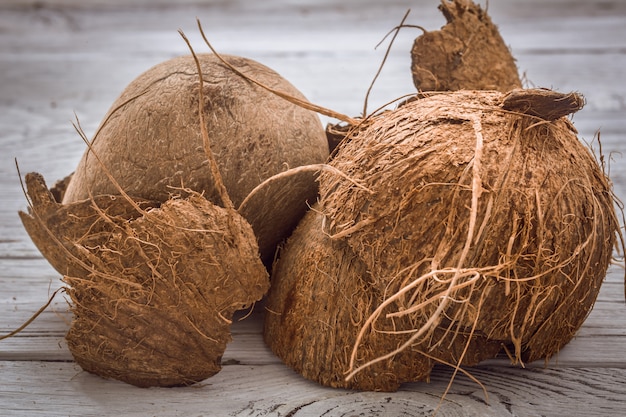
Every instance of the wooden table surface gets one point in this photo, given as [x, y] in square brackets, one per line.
[61, 59]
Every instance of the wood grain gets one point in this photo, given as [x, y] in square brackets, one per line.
[62, 59]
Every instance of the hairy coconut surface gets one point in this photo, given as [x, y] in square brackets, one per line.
[321, 295]
[55, 228]
[150, 140]
[474, 226]
[153, 290]
[468, 53]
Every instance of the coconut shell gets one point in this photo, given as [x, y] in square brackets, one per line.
[151, 143]
[55, 228]
[474, 225]
[153, 290]
[468, 53]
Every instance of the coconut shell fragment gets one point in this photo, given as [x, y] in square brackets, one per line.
[542, 103]
[275, 206]
[55, 228]
[473, 227]
[468, 53]
[153, 290]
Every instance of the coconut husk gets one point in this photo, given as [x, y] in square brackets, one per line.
[477, 225]
[150, 140]
[275, 206]
[542, 103]
[321, 295]
[468, 53]
[55, 228]
[153, 290]
[59, 188]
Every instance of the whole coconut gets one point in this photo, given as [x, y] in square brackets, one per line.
[151, 143]
[465, 221]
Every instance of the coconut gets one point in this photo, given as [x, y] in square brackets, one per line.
[153, 288]
[465, 221]
[275, 206]
[468, 53]
[154, 267]
[150, 140]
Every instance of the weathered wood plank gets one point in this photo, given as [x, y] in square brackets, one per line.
[274, 390]
[600, 342]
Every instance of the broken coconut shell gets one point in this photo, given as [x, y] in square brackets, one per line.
[460, 226]
[275, 206]
[468, 53]
[153, 290]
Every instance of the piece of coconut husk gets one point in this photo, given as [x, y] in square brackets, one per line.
[275, 206]
[477, 226]
[468, 53]
[153, 290]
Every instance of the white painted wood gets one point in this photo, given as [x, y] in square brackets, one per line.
[58, 57]
[274, 390]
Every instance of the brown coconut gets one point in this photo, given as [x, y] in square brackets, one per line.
[150, 140]
[465, 222]
[468, 53]
[321, 294]
[153, 287]
[275, 206]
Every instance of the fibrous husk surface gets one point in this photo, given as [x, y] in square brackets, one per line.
[153, 290]
[465, 222]
[150, 139]
[468, 53]
[275, 206]
[321, 294]
[56, 228]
